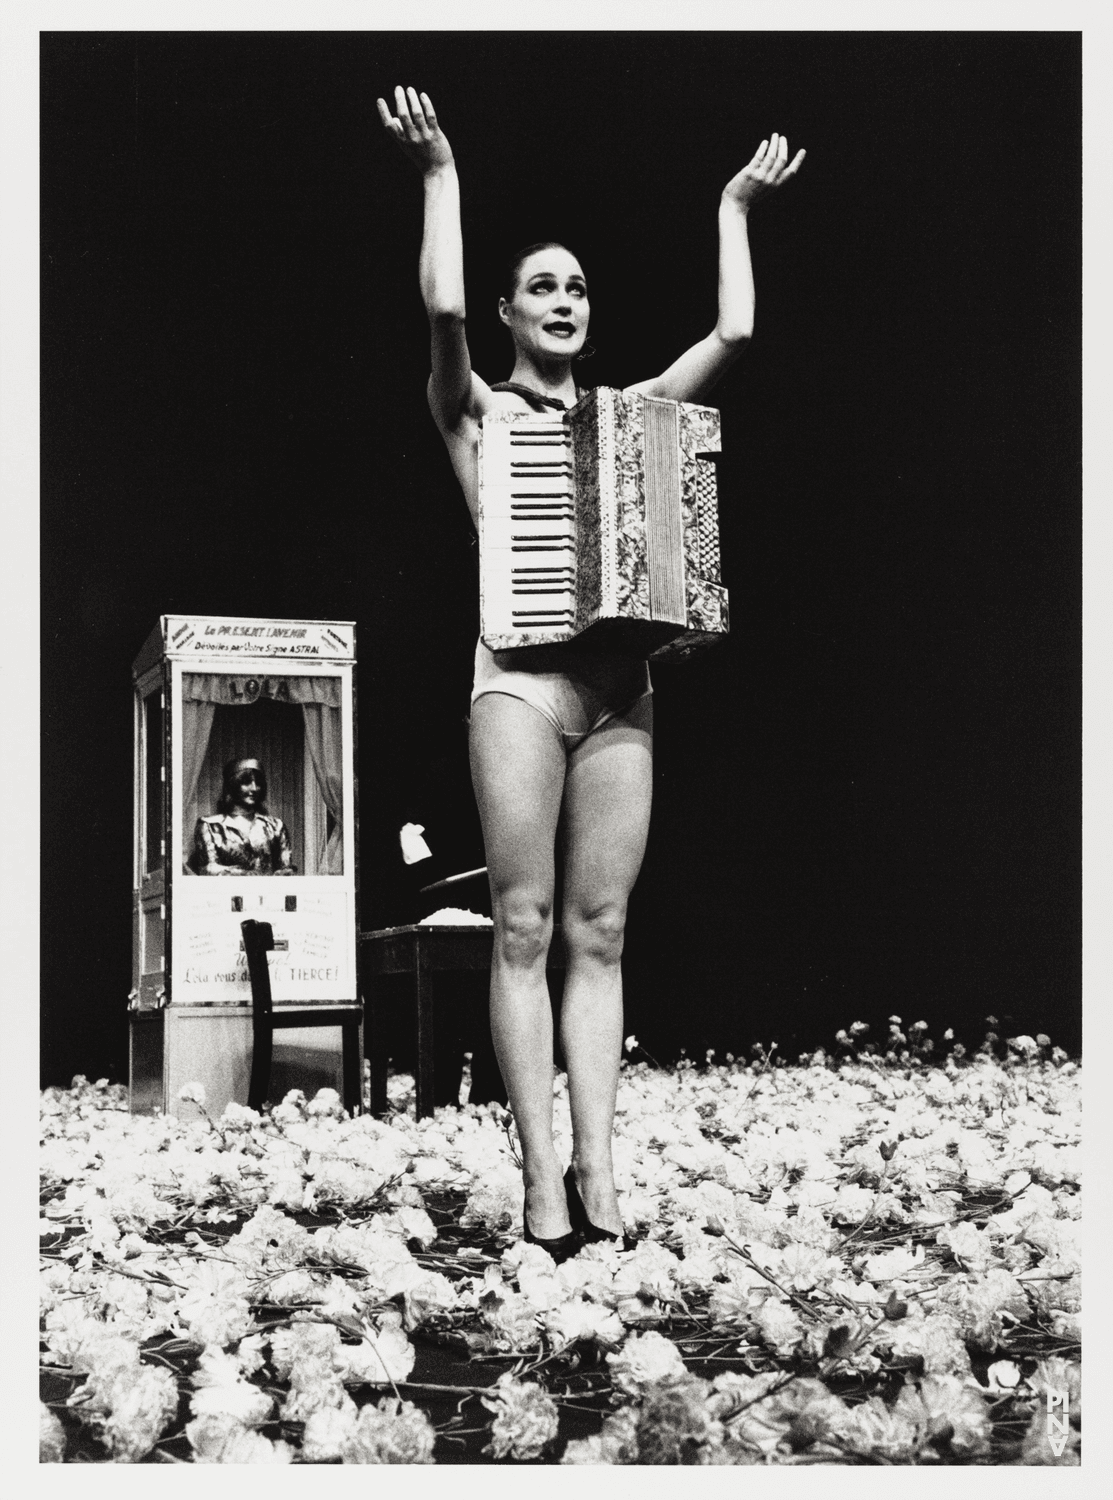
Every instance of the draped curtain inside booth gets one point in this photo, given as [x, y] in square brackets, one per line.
[283, 722]
[322, 740]
[197, 723]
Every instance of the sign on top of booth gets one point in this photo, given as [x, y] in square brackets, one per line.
[231, 636]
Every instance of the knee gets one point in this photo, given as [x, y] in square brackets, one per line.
[523, 929]
[596, 933]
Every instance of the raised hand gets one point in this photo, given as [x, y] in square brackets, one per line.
[415, 129]
[769, 169]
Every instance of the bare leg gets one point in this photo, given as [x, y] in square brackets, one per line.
[608, 789]
[518, 766]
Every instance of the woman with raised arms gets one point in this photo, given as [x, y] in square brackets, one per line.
[558, 728]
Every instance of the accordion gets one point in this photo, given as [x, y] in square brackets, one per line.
[600, 527]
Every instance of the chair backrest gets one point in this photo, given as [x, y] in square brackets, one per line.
[258, 940]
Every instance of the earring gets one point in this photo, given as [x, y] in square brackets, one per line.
[587, 351]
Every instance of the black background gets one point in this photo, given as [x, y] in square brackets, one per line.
[868, 798]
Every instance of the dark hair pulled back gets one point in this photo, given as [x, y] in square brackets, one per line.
[514, 265]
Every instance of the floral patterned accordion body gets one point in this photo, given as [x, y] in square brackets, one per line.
[601, 527]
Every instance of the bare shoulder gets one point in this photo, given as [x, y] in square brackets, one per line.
[462, 438]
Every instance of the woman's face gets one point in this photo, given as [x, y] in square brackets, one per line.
[549, 313]
[248, 784]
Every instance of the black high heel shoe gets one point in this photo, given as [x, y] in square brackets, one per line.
[561, 1249]
[590, 1233]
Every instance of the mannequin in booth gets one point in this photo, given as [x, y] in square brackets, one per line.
[242, 837]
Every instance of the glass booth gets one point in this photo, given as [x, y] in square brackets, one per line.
[245, 806]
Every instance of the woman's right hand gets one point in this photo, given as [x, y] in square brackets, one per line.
[415, 129]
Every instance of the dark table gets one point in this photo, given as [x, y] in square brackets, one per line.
[423, 952]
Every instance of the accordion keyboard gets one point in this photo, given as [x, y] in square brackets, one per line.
[530, 526]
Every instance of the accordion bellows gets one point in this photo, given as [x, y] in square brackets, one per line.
[601, 528]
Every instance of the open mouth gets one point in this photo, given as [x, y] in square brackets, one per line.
[567, 329]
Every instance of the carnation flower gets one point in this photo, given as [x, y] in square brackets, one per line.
[1067, 1326]
[983, 1304]
[315, 1384]
[813, 1192]
[871, 1429]
[328, 1432]
[942, 1348]
[394, 1432]
[222, 1440]
[649, 1271]
[215, 1308]
[735, 1301]
[540, 1286]
[285, 1186]
[494, 1201]
[373, 1249]
[615, 1443]
[852, 1204]
[508, 1319]
[125, 1306]
[342, 1300]
[753, 1223]
[414, 1224]
[293, 1288]
[797, 1415]
[958, 1411]
[802, 1266]
[142, 1402]
[425, 1295]
[578, 1319]
[242, 1400]
[222, 1391]
[645, 1359]
[674, 1425]
[342, 1182]
[779, 1326]
[380, 1357]
[99, 1352]
[525, 1418]
[891, 1265]
[239, 1117]
[972, 1248]
[301, 1341]
[1027, 1046]
[326, 1102]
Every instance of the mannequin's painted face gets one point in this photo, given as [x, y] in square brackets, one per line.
[248, 784]
[548, 314]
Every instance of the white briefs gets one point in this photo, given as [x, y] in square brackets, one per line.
[577, 700]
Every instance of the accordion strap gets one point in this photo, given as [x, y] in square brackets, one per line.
[535, 399]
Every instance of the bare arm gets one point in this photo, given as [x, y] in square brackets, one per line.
[454, 392]
[692, 376]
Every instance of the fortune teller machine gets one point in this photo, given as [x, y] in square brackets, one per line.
[211, 692]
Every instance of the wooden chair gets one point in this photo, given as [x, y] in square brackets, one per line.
[258, 940]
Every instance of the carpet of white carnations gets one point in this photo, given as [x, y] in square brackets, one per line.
[860, 1258]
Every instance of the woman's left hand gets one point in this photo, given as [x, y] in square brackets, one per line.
[769, 169]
